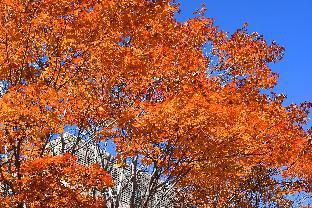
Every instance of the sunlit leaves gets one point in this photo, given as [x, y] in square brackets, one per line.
[127, 70]
[57, 182]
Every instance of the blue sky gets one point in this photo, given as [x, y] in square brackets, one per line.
[287, 22]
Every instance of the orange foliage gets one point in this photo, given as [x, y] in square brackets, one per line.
[56, 182]
[130, 64]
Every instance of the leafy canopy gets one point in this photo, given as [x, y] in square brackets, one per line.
[128, 68]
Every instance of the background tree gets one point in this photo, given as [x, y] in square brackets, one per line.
[127, 71]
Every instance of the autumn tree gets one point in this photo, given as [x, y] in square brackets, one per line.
[128, 71]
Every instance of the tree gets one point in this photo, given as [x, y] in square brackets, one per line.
[126, 70]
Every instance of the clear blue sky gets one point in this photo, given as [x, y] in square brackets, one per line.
[285, 21]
